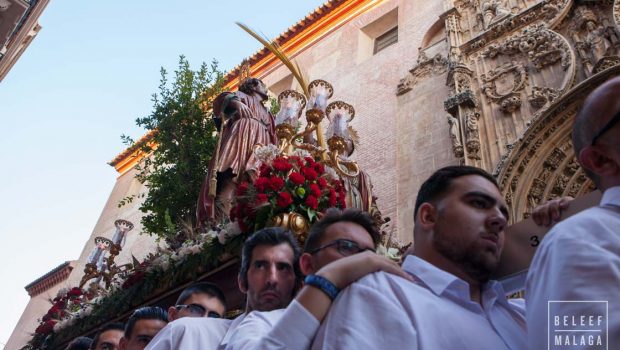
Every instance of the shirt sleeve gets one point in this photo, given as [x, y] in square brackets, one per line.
[294, 330]
[367, 316]
[571, 272]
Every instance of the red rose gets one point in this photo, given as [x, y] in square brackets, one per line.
[264, 170]
[312, 202]
[296, 178]
[296, 160]
[262, 184]
[310, 161]
[46, 327]
[322, 182]
[315, 190]
[276, 183]
[261, 198]
[242, 188]
[319, 168]
[309, 173]
[281, 164]
[284, 199]
[333, 200]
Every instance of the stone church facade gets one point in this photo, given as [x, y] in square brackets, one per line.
[490, 83]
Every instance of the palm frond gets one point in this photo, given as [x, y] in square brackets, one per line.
[274, 48]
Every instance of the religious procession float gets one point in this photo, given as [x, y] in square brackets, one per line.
[282, 170]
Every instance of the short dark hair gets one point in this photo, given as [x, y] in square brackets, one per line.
[207, 288]
[145, 313]
[117, 326]
[438, 183]
[334, 215]
[271, 236]
[79, 343]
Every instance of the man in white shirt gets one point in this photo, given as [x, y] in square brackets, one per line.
[340, 249]
[460, 218]
[269, 276]
[572, 288]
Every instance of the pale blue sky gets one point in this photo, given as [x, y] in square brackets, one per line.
[80, 85]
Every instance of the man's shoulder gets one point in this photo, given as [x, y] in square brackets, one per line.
[199, 323]
[578, 226]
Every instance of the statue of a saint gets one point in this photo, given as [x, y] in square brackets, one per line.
[493, 11]
[244, 122]
[455, 136]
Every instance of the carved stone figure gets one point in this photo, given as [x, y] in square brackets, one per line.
[493, 11]
[455, 136]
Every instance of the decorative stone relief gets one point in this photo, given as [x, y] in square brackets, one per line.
[542, 96]
[425, 67]
[502, 85]
[541, 46]
[493, 11]
[544, 10]
[472, 135]
[455, 136]
[596, 40]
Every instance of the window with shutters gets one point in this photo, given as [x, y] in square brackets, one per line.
[386, 39]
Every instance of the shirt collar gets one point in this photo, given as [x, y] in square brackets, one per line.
[611, 196]
[433, 277]
[439, 281]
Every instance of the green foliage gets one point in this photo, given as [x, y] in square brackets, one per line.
[180, 149]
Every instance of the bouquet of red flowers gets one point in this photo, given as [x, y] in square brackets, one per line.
[287, 184]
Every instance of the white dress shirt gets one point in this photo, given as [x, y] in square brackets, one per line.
[383, 311]
[253, 327]
[579, 261]
[195, 333]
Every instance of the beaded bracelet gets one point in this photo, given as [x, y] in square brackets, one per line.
[323, 284]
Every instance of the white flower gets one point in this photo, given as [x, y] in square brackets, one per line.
[266, 153]
[62, 292]
[301, 153]
[195, 249]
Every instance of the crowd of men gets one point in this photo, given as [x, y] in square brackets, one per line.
[337, 293]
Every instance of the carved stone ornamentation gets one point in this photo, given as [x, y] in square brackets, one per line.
[545, 10]
[472, 135]
[424, 68]
[455, 136]
[502, 85]
[541, 46]
[542, 96]
[595, 40]
[492, 11]
[605, 63]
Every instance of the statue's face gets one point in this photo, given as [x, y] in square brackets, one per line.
[261, 88]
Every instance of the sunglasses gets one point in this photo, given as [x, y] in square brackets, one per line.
[344, 246]
[606, 128]
[198, 310]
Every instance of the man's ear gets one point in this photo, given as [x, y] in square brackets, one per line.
[306, 264]
[427, 216]
[595, 159]
[122, 344]
[172, 313]
[242, 287]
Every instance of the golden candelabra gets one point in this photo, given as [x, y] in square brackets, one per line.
[101, 266]
[333, 152]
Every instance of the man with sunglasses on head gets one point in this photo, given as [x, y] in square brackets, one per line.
[577, 265]
[339, 249]
[199, 300]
